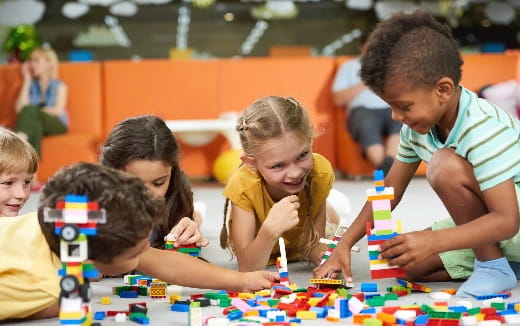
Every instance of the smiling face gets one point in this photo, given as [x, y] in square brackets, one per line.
[421, 109]
[15, 189]
[284, 163]
[154, 174]
[125, 262]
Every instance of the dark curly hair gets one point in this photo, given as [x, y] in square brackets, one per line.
[411, 47]
[148, 138]
[131, 212]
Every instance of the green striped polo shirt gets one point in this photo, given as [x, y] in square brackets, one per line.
[483, 134]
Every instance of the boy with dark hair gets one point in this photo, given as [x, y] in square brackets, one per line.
[121, 244]
[473, 153]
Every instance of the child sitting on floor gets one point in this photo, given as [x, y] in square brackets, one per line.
[30, 283]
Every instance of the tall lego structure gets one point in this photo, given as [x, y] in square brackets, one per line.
[383, 230]
[74, 219]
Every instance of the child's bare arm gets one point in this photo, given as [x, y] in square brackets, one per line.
[254, 249]
[398, 177]
[318, 249]
[502, 222]
[182, 269]
[61, 101]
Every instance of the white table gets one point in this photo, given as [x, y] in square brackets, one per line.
[202, 132]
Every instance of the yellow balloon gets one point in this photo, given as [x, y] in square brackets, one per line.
[226, 164]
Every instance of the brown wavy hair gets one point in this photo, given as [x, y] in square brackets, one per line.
[148, 138]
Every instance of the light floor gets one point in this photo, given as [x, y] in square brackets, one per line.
[418, 209]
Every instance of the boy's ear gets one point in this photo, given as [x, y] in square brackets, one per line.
[445, 89]
[248, 161]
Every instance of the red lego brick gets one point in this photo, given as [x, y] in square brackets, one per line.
[387, 273]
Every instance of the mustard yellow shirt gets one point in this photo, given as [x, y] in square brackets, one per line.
[29, 280]
[248, 191]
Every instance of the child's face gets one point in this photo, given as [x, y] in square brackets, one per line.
[420, 109]
[284, 163]
[154, 174]
[125, 262]
[39, 64]
[15, 189]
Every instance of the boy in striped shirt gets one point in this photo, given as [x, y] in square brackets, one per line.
[473, 151]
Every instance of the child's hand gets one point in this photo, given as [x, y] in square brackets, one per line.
[337, 262]
[255, 281]
[26, 72]
[408, 249]
[283, 216]
[187, 232]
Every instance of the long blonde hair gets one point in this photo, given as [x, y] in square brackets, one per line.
[268, 118]
[17, 154]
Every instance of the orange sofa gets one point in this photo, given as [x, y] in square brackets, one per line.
[478, 70]
[84, 110]
[102, 94]
[205, 89]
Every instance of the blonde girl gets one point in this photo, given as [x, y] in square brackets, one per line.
[280, 190]
[42, 99]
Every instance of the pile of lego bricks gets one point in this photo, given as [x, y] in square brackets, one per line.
[290, 306]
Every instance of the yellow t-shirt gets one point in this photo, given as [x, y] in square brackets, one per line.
[29, 280]
[248, 191]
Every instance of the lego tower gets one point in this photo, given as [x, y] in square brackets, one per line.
[383, 230]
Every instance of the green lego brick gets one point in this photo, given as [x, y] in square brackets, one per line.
[88, 267]
[224, 302]
[498, 305]
[453, 315]
[142, 290]
[437, 314]
[169, 246]
[372, 322]
[188, 250]
[195, 304]
[384, 232]
[300, 290]
[474, 311]
[342, 292]
[382, 215]
[391, 296]
[212, 295]
[272, 302]
[425, 308]
[375, 302]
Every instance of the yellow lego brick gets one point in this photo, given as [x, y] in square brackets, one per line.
[75, 270]
[332, 297]
[313, 301]
[174, 298]
[251, 313]
[72, 314]
[293, 286]
[306, 315]
[378, 262]
[263, 293]
[480, 317]
[440, 308]
[325, 281]
[105, 300]
[385, 317]
[245, 295]
[76, 205]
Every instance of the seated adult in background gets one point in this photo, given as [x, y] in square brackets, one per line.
[41, 103]
[369, 117]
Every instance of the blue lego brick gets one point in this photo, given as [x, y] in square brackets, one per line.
[99, 315]
[379, 175]
[402, 282]
[284, 274]
[128, 294]
[318, 295]
[85, 231]
[252, 302]
[507, 312]
[61, 272]
[279, 319]
[457, 309]
[234, 315]
[381, 237]
[320, 312]
[511, 305]
[76, 199]
[370, 310]
[180, 307]
[295, 320]
[421, 320]
[400, 321]
[368, 287]
[72, 321]
[91, 274]
[263, 312]
[371, 295]
[344, 312]
[491, 296]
